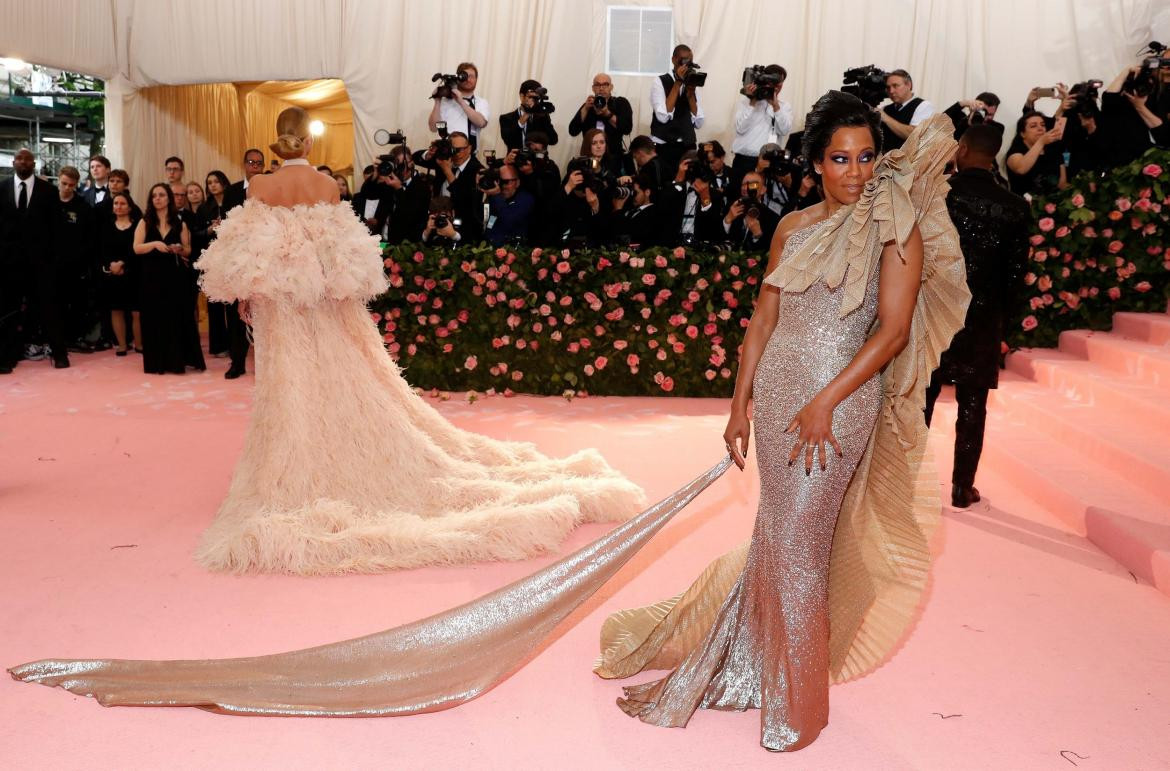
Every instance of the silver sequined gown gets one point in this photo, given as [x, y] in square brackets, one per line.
[769, 647]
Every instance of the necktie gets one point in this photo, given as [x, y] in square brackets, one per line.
[22, 201]
[472, 132]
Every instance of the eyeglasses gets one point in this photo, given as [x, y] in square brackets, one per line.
[253, 162]
[460, 148]
[600, 85]
[174, 168]
[508, 180]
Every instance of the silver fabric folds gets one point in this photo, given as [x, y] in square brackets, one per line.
[426, 666]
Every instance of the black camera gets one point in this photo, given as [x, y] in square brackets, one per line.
[443, 219]
[1084, 96]
[386, 163]
[766, 80]
[700, 168]
[491, 161]
[978, 116]
[866, 83]
[541, 105]
[781, 161]
[488, 179]
[446, 89]
[594, 175]
[599, 102]
[524, 157]
[693, 76]
[1145, 81]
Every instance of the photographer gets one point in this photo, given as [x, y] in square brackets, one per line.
[716, 157]
[585, 213]
[638, 220]
[904, 112]
[602, 110]
[1125, 109]
[394, 201]
[441, 230]
[643, 159]
[980, 110]
[749, 224]
[677, 112]
[509, 207]
[531, 115]
[1035, 163]
[691, 205]
[782, 176]
[456, 105]
[541, 178]
[455, 171]
[761, 117]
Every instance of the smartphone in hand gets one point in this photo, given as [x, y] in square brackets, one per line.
[1046, 92]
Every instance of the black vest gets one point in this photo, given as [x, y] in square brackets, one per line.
[679, 128]
[902, 114]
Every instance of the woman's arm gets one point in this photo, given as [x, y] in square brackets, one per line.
[185, 238]
[1022, 163]
[140, 244]
[759, 331]
[898, 285]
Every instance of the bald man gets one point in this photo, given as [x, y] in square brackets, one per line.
[603, 110]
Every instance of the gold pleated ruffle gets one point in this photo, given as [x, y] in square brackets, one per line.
[881, 556]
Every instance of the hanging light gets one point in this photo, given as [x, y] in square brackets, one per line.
[316, 128]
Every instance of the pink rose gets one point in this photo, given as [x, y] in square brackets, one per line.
[1036, 303]
[1143, 204]
[1114, 293]
[1142, 286]
[692, 331]
[588, 369]
[1062, 231]
[660, 261]
[1044, 283]
[563, 267]
[620, 345]
[1037, 239]
[1078, 200]
[1152, 170]
[1115, 247]
[471, 363]
[1050, 207]
[679, 252]
[710, 374]
[709, 329]
[600, 362]
[1123, 204]
[648, 279]
[667, 384]
[1030, 323]
[517, 375]
[1030, 278]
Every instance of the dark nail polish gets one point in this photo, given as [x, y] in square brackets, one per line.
[808, 472]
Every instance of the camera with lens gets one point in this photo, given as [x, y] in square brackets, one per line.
[700, 168]
[593, 173]
[781, 161]
[599, 102]
[693, 76]
[442, 146]
[866, 83]
[1145, 81]
[489, 179]
[1084, 96]
[766, 79]
[446, 89]
[751, 202]
[541, 105]
[525, 157]
[386, 163]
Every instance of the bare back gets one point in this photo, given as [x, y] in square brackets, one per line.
[294, 185]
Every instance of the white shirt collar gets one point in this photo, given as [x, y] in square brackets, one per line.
[295, 162]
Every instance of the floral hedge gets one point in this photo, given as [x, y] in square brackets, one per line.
[1101, 246]
[554, 322]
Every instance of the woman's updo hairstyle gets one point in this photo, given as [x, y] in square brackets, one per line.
[835, 110]
[292, 128]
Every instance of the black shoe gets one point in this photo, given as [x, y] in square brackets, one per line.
[123, 352]
[233, 373]
[963, 497]
[6, 369]
[60, 362]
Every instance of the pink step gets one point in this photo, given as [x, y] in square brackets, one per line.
[1087, 382]
[1148, 327]
[1126, 523]
[1149, 363]
[1103, 435]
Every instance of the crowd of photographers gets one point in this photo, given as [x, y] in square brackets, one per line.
[668, 187]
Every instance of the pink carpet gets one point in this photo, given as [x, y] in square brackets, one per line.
[1033, 641]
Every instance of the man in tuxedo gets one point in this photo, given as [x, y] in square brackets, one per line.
[76, 252]
[640, 221]
[99, 170]
[235, 196]
[516, 125]
[749, 224]
[30, 291]
[456, 178]
[395, 205]
[174, 167]
[993, 227]
[643, 159]
[691, 206]
[612, 114]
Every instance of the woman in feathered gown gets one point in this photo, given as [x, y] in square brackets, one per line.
[830, 581]
[345, 468]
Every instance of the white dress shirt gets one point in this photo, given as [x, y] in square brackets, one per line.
[28, 186]
[444, 188]
[757, 125]
[658, 104]
[452, 114]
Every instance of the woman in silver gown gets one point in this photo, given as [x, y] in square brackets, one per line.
[838, 559]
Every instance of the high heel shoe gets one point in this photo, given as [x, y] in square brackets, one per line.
[121, 352]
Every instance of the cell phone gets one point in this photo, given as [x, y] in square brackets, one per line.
[1046, 92]
[1059, 125]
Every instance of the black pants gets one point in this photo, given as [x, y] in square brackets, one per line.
[217, 327]
[237, 336]
[969, 426]
[669, 154]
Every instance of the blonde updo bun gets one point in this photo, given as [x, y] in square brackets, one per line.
[292, 127]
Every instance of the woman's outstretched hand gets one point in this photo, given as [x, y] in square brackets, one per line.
[736, 435]
[814, 424]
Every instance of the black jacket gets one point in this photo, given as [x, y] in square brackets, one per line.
[464, 193]
[641, 228]
[993, 235]
[615, 136]
[708, 224]
[513, 136]
[739, 237]
[27, 236]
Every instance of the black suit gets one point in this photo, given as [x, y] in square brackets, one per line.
[708, 227]
[90, 195]
[993, 235]
[615, 136]
[739, 237]
[77, 256]
[237, 330]
[29, 268]
[642, 227]
[467, 199]
[513, 135]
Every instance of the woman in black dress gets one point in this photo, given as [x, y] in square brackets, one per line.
[120, 270]
[1035, 160]
[210, 213]
[170, 338]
